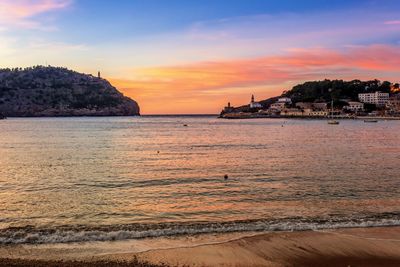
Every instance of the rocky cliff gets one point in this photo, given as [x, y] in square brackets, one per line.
[53, 91]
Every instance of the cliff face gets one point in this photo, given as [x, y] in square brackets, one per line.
[51, 91]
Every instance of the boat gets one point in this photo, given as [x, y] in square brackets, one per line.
[333, 122]
[370, 120]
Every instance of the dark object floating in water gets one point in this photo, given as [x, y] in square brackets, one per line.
[333, 122]
[158, 151]
[370, 120]
[226, 177]
[185, 125]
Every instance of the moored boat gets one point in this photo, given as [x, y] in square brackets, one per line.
[370, 120]
[334, 122]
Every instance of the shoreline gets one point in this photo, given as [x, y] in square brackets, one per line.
[257, 116]
[370, 246]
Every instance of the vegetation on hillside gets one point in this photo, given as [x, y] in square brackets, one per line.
[39, 90]
[328, 90]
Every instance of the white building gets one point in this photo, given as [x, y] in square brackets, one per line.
[354, 106]
[278, 106]
[254, 104]
[281, 103]
[377, 98]
[285, 100]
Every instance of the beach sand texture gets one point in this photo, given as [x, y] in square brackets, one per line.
[379, 246]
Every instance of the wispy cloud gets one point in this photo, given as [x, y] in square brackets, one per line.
[23, 13]
[392, 22]
[57, 47]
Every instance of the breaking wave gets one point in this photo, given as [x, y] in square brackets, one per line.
[83, 233]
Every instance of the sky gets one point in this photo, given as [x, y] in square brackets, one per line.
[192, 57]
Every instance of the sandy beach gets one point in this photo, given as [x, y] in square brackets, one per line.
[379, 246]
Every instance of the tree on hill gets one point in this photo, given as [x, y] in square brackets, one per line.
[328, 90]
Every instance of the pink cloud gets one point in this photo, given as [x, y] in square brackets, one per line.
[392, 22]
[297, 64]
[213, 82]
[20, 13]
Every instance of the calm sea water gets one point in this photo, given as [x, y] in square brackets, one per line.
[82, 179]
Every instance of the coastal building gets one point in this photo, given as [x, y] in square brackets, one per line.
[228, 108]
[254, 104]
[307, 111]
[354, 106]
[320, 105]
[318, 113]
[278, 106]
[304, 105]
[292, 112]
[377, 98]
[393, 105]
[286, 100]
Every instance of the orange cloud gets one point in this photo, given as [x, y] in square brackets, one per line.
[204, 87]
[19, 12]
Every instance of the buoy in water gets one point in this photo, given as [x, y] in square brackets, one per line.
[226, 177]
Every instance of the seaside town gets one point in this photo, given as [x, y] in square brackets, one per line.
[375, 104]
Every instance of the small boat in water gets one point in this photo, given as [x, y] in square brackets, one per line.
[370, 120]
[334, 122]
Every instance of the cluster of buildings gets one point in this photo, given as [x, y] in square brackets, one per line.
[383, 103]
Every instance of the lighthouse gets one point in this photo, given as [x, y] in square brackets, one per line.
[254, 104]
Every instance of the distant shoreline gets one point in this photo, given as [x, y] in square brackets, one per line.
[75, 116]
[243, 117]
[180, 115]
[102, 116]
[257, 116]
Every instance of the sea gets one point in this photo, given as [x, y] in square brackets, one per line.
[81, 179]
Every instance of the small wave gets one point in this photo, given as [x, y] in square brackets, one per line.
[81, 233]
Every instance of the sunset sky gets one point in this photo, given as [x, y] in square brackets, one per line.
[180, 56]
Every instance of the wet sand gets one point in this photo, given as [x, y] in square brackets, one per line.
[379, 246]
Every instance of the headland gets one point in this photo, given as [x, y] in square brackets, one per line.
[327, 99]
[53, 91]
